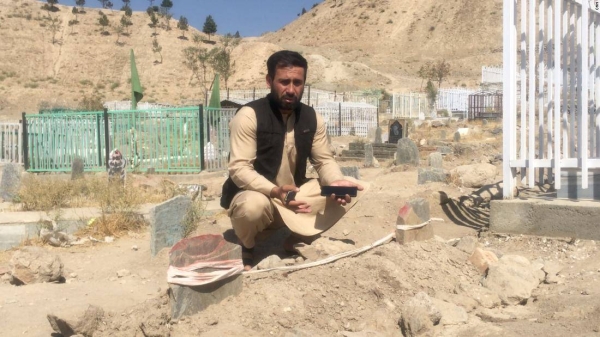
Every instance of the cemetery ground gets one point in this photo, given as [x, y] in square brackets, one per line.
[465, 281]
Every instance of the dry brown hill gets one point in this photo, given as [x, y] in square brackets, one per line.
[383, 43]
[357, 44]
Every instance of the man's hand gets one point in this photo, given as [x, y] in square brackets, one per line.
[297, 206]
[345, 183]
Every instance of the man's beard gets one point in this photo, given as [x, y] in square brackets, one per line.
[282, 105]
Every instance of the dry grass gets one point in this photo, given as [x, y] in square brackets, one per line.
[193, 217]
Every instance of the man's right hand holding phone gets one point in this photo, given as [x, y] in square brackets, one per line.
[287, 195]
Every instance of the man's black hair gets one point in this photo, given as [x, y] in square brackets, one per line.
[286, 58]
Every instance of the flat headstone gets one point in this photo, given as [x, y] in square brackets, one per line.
[457, 136]
[378, 138]
[368, 155]
[351, 171]
[407, 152]
[11, 181]
[431, 174]
[435, 160]
[77, 168]
[167, 222]
[151, 170]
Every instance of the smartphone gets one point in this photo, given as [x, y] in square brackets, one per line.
[339, 191]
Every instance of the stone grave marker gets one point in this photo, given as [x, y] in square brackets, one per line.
[378, 139]
[431, 174]
[412, 223]
[77, 168]
[368, 155]
[435, 160]
[457, 136]
[407, 152]
[11, 181]
[167, 222]
[351, 171]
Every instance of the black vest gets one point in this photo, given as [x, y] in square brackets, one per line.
[270, 136]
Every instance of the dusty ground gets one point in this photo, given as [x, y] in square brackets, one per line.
[359, 296]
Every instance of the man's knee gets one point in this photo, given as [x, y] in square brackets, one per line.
[251, 206]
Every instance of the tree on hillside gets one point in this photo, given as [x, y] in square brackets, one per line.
[168, 17]
[223, 65]
[166, 6]
[190, 60]
[103, 22]
[128, 12]
[198, 59]
[119, 30]
[75, 11]
[103, 2]
[303, 11]
[52, 3]
[153, 22]
[197, 38]
[109, 4]
[157, 48]
[441, 71]
[54, 28]
[151, 3]
[183, 25]
[237, 34]
[124, 23]
[80, 3]
[210, 26]
[426, 72]
[431, 94]
[126, 4]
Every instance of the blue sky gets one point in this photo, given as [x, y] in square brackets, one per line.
[249, 17]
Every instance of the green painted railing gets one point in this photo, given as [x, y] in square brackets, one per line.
[166, 140]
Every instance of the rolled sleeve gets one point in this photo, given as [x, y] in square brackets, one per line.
[243, 153]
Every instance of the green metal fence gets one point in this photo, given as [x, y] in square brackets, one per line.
[166, 140]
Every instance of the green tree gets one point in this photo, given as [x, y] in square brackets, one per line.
[237, 34]
[157, 48]
[168, 17]
[183, 25]
[126, 3]
[431, 93]
[425, 72]
[153, 22]
[54, 28]
[166, 6]
[109, 4]
[128, 12]
[103, 2]
[52, 3]
[119, 30]
[441, 71]
[103, 22]
[210, 27]
[75, 12]
[223, 65]
[125, 23]
[80, 3]
[303, 11]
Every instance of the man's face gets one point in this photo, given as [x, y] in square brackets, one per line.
[287, 87]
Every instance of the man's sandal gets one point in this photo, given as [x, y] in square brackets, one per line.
[248, 257]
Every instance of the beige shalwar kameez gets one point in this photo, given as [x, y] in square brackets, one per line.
[253, 211]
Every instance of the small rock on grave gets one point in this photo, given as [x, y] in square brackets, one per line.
[407, 152]
[84, 326]
[272, 261]
[11, 181]
[351, 171]
[435, 160]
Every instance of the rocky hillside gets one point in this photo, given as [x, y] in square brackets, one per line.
[354, 44]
